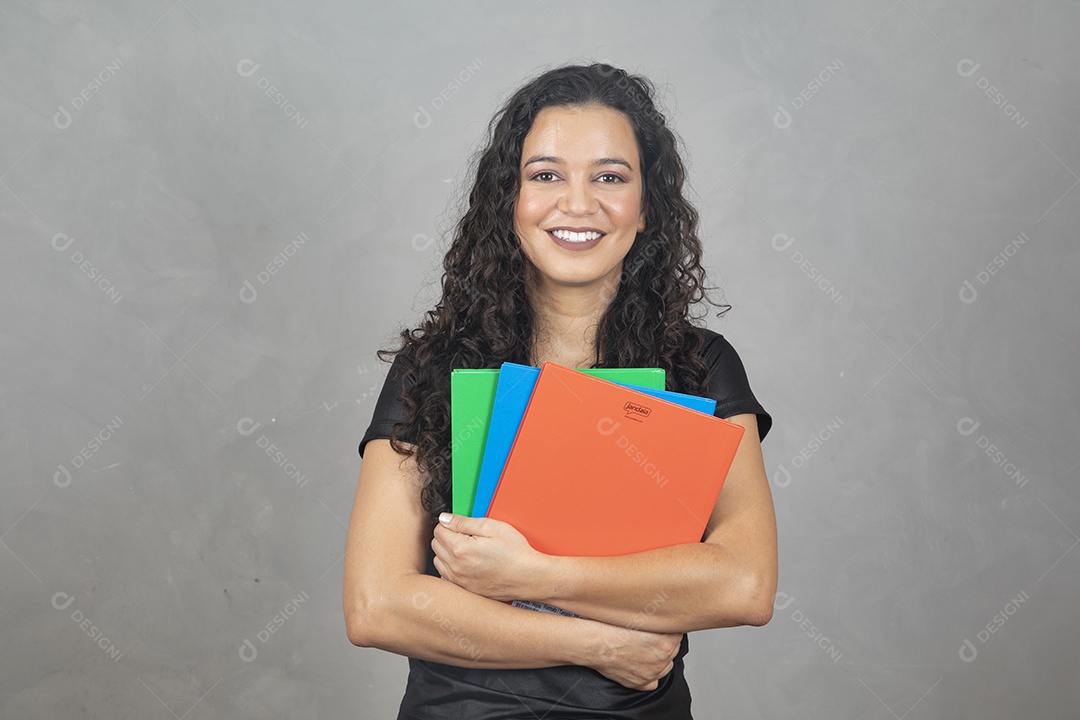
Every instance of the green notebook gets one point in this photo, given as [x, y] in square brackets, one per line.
[472, 395]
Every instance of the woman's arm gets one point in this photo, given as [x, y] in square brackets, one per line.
[727, 579]
[391, 604]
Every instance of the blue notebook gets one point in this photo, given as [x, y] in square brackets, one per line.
[516, 383]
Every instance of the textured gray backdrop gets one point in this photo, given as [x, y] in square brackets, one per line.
[214, 213]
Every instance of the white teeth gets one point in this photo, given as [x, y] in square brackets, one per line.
[575, 236]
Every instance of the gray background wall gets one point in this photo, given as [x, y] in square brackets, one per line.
[197, 274]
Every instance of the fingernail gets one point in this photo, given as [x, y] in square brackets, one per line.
[444, 518]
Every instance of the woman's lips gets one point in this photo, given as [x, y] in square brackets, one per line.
[570, 245]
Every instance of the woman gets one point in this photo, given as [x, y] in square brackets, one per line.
[579, 248]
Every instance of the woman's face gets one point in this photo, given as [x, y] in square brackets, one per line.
[579, 207]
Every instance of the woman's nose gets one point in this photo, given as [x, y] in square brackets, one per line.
[578, 198]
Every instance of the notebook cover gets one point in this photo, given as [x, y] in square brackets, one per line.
[600, 469]
[512, 394]
[472, 394]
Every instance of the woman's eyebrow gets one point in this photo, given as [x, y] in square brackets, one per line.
[598, 161]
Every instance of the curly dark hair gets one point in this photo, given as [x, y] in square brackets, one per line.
[485, 317]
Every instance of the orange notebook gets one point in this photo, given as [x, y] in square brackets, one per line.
[599, 469]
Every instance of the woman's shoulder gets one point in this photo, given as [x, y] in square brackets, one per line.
[714, 344]
[719, 354]
[728, 382]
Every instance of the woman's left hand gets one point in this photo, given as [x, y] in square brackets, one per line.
[486, 556]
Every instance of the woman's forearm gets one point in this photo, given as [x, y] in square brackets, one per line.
[692, 586]
[425, 617]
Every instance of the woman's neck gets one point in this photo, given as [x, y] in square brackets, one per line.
[566, 321]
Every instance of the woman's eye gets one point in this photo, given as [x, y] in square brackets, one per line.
[606, 178]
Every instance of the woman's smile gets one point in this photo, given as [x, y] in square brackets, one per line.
[576, 239]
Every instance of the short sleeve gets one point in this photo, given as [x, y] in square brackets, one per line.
[728, 383]
[388, 408]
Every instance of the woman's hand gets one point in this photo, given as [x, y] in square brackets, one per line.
[491, 558]
[486, 556]
[636, 659]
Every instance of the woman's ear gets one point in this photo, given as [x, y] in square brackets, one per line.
[641, 221]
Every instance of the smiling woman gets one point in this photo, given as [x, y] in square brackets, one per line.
[577, 247]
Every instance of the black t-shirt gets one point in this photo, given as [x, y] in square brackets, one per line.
[440, 691]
